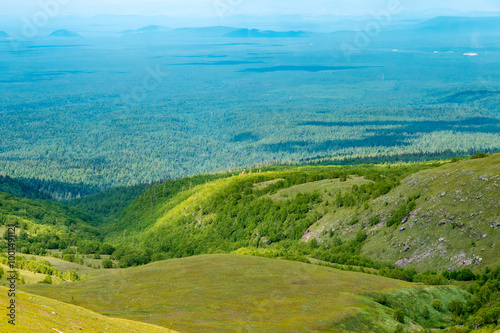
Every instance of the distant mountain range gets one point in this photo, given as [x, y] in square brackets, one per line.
[460, 24]
[146, 29]
[458, 27]
[216, 31]
[439, 25]
[254, 33]
[64, 34]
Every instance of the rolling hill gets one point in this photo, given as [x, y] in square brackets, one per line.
[230, 293]
[41, 314]
[422, 215]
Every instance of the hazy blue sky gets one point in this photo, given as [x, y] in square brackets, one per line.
[231, 7]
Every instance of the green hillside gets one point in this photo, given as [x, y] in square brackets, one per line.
[231, 293]
[452, 224]
[41, 314]
[428, 215]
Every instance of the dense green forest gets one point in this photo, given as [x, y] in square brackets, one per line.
[45, 225]
[85, 137]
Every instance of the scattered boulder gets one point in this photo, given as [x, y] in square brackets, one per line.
[402, 262]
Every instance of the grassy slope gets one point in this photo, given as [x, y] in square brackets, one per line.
[40, 314]
[467, 213]
[455, 223]
[231, 293]
[65, 266]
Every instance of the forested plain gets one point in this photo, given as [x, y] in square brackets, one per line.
[69, 115]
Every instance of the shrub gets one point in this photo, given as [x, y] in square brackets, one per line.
[78, 261]
[399, 315]
[475, 322]
[47, 280]
[458, 329]
[71, 276]
[106, 263]
[456, 307]
[374, 220]
[381, 299]
[478, 156]
[69, 257]
[437, 304]
[426, 313]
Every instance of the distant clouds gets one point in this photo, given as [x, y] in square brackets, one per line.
[210, 8]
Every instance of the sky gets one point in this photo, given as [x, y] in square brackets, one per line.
[210, 8]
